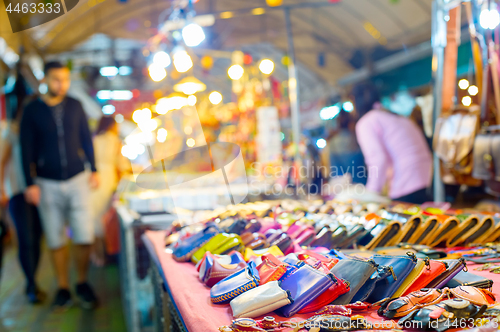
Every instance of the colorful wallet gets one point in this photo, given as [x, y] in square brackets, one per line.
[411, 278]
[469, 279]
[236, 284]
[183, 250]
[250, 253]
[214, 268]
[304, 285]
[254, 240]
[340, 287]
[260, 300]
[431, 271]
[454, 267]
[400, 267]
[357, 272]
[271, 269]
[220, 244]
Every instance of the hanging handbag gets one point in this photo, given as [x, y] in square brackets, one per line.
[487, 157]
[454, 142]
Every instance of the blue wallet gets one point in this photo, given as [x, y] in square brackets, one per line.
[304, 285]
[228, 288]
[183, 250]
[400, 267]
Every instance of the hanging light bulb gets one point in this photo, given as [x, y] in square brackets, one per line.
[157, 72]
[182, 61]
[215, 97]
[463, 84]
[235, 72]
[162, 59]
[193, 34]
[473, 90]
[266, 66]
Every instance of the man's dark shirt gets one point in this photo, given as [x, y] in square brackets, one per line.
[55, 141]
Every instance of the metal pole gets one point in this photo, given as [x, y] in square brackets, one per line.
[293, 86]
[438, 45]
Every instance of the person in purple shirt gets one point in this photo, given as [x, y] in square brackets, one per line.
[395, 150]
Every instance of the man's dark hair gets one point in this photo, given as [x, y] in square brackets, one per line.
[52, 65]
[364, 95]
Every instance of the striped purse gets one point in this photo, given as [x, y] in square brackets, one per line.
[236, 284]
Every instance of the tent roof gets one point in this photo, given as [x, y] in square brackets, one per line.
[336, 29]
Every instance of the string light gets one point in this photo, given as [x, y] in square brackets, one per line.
[193, 35]
[467, 101]
[235, 72]
[157, 72]
[192, 100]
[162, 59]
[463, 84]
[182, 61]
[473, 90]
[215, 97]
[266, 66]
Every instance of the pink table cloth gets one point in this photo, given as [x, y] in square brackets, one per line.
[192, 297]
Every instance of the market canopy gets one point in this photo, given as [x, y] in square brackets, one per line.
[332, 38]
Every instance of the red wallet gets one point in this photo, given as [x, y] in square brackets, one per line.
[339, 288]
[270, 269]
[431, 271]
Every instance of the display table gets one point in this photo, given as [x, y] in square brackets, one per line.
[191, 298]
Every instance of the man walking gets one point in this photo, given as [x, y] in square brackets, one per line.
[56, 143]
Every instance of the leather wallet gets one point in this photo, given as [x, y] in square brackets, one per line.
[381, 235]
[469, 279]
[454, 267]
[357, 272]
[297, 228]
[304, 285]
[270, 269]
[313, 258]
[220, 244]
[260, 300]
[254, 240]
[427, 225]
[410, 224]
[274, 250]
[411, 278]
[400, 267]
[431, 271]
[339, 288]
[306, 237]
[481, 232]
[443, 231]
[280, 239]
[468, 225]
[236, 284]
[214, 268]
[184, 249]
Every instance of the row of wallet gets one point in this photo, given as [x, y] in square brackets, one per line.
[307, 281]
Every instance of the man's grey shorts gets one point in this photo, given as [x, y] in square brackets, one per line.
[66, 201]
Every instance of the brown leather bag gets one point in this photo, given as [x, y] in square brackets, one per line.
[453, 144]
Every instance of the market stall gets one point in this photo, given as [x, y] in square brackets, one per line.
[190, 299]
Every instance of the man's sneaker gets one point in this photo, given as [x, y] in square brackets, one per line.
[62, 300]
[86, 296]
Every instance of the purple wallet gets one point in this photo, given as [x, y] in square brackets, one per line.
[454, 268]
[304, 285]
